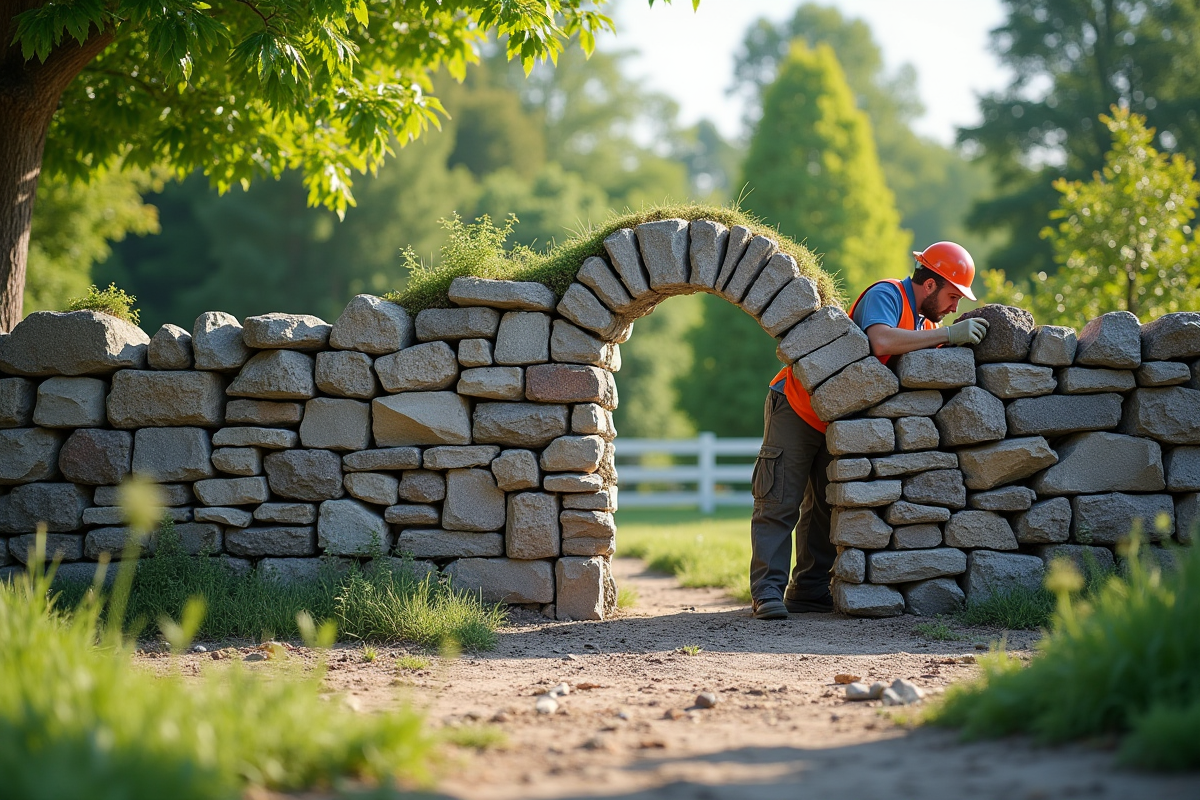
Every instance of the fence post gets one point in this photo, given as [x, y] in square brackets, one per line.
[707, 461]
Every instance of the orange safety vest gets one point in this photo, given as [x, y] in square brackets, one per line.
[799, 399]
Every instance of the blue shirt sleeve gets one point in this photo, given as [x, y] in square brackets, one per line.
[881, 304]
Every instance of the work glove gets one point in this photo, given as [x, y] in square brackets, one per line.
[968, 331]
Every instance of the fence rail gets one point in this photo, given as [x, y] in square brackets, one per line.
[644, 485]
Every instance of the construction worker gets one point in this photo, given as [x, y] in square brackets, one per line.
[790, 475]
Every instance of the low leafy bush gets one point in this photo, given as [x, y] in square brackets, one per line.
[112, 301]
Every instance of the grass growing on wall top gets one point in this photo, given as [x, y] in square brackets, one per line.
[477, 249]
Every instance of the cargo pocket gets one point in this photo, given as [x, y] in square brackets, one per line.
[767, 480]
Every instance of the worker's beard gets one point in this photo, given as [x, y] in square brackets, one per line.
[929, 308]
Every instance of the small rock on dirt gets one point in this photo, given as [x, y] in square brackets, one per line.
[858, 691]
[706, 700]
[902, 693]
[845, 678]
[546, 705]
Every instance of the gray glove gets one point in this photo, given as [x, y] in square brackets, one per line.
[968, 331]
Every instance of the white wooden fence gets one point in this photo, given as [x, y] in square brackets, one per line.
[715, 483]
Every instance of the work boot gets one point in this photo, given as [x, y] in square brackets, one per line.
[771, 608]
[797, 604]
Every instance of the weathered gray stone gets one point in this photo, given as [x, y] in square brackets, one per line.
[170, 348]
[735, 247]
[992, 465]
[1053, 346]
[1103, 462]
[1086, 559]
[232, 491]
[859, 527]
[523, 338]
[860, 436]
[589, 418]
[850, 565]
[1170, 415]
[253, 436]
[372, 325]
[924, 403]
[18, 396]
[856, 388]
[271, 375]
[1162, 373]
[262, 412]
[779, 272]
[519, 424]
[169, 494]
[708, 241]
[286, 331]
[581, 584]
[72, 343]
[815, 331]
[70, 403]
[532, 528]
[758, 253]
[818, 366]
[516, 469]
[600, 278]
[794, 303]
[569, 344]
[272, 541]
[473, 503]
[311, 475]
[980, 529]
[435, 543]
[501, 580]
[349, 528]
[452, 324]
[1107, 519]
[1172, 336]
[29, 454]
[297, 571]
[59, 505]
[421, 418]
[917, 537]
[244, 461]
[867, 599]
[990, 574]
[1055, 415]
[115, 515]
[1010, 333]
[159, 398]
[936, 368]
[1182, 466]
[1111, 340]
[92, 456]
[64, 546]
[373, 487]
[425, 367]
[972, 416]
[592, 501]
[422, 486]
[626, 259]
[664, 248]
[407, 515]
[346, 373]
[493, 383]
[475, 352]
[580, 306]
[573, 482]
[916, 433]
[336, 424]
[173, 454]
[904, 512]
[1046, 522]
[862, 494]
[217, 342]
[939, 487]
[573, 454]
[287, 513]
[570, 383]
[848, 469]
[902, 566]
[597, 526]
[443, 458]
[231, 517]
[1187, 518]
[386, 458]
[933, 597]
[1082, 380]
[507, 295]
[1010, 381]
[1007, 498]
[908, 463]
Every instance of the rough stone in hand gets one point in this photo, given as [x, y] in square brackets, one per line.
[232, 491]
[1170, 415]
[173, 454]
[848, 469]
[1010, 381]
[532, 530]
[582, 307]
[373, 487]
[18, 396]
[436, 543]
[573, 482]
[273, 375]
[1110, 340]
[924, 403]
[269, 438]
[502, 580]
[570, 383]
[151, 398]
[443, 458]
[758, 253]
[708, 241]
[990, 573]
[452, 324]
[388, 458]
[425, 367]
[349, 528]
[70, 403]
[1182, 466]
[917, 537]
[573, 454]
[581, 588]
[992, 465]
[285, 331]
[1009, 335]
[857, 387]
[217, 342]
[1047, 522]
[867, 599]
[1162, 373]
[1107, 519]
[411, 515]
[1007, 498]
[287, 513]
[336, 424]
[933, 597]
[980, 529]
[1053, 346]
[506, 295]
[311, 475]
[820, 365]
[972, 416]
[372, 325]
[231, 517]
[72, 343]
[1082, 380]
[860, 436]
[492, 383]
[941, 487]
[515, 470]
[518, 424]
[473, 502]
[422, 486]
[523, 338]
[664, 248]
[1055, 415]
[908, 463]
[421, 418]
[937, 368]
[815, 331]
[59, 505]
[916, 433]
[346, 373]
[794, 303]
[1172, 336]
[272, 541]
[589, 418]
[571, 345]
[475, 352]
[779, 272]
[1086, 559]
[244, 461]
[262, 412]
[1103, 462]
[92, 456]
[903, 512]
[903, 566]
[862, 494]
[170, 348]
[859, 528]
[850, 565]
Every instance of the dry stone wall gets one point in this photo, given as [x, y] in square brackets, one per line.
[477, 440]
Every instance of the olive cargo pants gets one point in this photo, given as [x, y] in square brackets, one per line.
[789, 486]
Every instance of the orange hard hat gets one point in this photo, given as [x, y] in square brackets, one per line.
[952, 262]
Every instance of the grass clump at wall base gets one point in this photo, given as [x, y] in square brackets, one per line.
[477, 249]
[699, 550]
[1018, 608]
[1124, 661]
[112, 301]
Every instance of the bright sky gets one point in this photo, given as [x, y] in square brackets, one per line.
[689, 56]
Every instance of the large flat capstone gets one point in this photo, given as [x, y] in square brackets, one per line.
[72, 343]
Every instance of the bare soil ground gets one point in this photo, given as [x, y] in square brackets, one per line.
[781, 729]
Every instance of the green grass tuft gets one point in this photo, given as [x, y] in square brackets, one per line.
[699, 550]
[112, 301]
[475, 737]
[1018, 608]
[412, 663]
[691, 649]
[938, 631]
[478, 249]
[627, 597]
